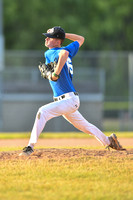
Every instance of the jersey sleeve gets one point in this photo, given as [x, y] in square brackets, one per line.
[72, 48]
[46, 58]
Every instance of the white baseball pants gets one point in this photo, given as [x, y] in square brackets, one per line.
[68, 108]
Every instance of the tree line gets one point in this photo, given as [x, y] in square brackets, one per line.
[106, 25]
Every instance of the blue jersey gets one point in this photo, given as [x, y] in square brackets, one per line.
[64, 83]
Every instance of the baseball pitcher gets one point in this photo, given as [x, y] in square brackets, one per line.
[58, 69]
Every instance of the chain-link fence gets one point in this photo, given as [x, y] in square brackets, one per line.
[114, 64]
[105, 73]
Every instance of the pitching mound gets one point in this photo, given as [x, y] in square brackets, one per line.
[59, 154]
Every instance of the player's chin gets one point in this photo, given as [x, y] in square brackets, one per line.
[46, 44]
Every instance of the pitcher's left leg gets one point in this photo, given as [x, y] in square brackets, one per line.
[83, 125]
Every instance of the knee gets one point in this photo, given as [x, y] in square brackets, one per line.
[38, 115]
[41, 113]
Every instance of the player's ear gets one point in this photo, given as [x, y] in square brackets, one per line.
[60, 42]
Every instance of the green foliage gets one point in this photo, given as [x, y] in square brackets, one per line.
[116, 105]
[106, 25]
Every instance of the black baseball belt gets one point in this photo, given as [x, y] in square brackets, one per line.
[65, 96]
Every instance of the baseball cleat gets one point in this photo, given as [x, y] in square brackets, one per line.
[26, 151]
[114, 143]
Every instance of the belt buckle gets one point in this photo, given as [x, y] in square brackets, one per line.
[63, 96]
[59, 98]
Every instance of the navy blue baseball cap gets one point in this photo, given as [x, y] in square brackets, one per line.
[55, 32]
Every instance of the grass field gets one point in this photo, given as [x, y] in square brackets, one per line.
[66, 174]
[22, 135]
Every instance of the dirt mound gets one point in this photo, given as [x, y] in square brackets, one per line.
[59, 154]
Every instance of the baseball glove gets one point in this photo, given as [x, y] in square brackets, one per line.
[47, 70]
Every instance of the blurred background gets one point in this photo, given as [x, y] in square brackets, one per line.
[103, 67]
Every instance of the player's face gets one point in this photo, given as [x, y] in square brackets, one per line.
[52, 42]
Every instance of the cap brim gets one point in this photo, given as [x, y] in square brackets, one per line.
[48, 35]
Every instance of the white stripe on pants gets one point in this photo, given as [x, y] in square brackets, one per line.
[68, 108]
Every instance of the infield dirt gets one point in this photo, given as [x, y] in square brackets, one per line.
[65, 149]
[61, 154]
[70, 142]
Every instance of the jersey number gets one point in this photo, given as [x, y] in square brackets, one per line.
[70, 66]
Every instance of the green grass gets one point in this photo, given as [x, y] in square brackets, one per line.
[91, 178]
[116, 105]
[83, 178]
[60, 135]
